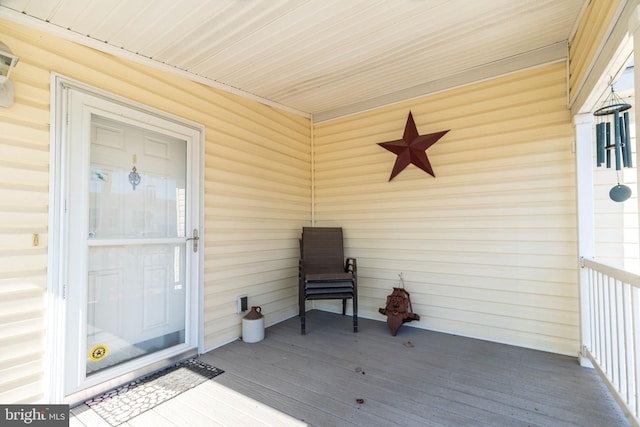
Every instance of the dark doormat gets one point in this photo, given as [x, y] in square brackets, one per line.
[119, 405]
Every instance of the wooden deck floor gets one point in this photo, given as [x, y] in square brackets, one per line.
[418, 378]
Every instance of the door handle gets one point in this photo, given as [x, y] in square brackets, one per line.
[195, 239]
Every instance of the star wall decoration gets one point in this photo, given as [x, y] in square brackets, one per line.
[412, 148]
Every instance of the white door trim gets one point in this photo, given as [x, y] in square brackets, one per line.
[56, 302]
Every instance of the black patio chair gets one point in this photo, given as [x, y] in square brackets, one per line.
[324, 273]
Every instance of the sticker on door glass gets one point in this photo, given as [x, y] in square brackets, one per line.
[99, 175]
[98, 352]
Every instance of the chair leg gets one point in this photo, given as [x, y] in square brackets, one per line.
[344, 306]
[355, 312]
[302, 308]
[302, 313]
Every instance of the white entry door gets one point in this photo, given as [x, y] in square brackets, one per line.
[132, 237]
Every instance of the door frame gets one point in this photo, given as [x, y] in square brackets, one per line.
[55, 335]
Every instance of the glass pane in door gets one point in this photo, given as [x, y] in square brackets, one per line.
[135, 303]
[136, 290]
[137, 182]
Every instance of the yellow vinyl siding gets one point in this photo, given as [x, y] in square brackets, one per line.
[598, 44]
[487, 248]
[24, 199]
[587, 40]
[256, 196]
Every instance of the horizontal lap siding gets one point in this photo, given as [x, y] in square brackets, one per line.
[587, 40]
[24, 200]
[257, 198]
[616, 233]
[256, 195]
[488, 247]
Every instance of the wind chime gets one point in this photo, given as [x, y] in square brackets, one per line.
[613, 135]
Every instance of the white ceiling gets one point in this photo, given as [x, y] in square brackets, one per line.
[324, 58]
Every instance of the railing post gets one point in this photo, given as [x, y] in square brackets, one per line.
[615, 339]
[586, 223]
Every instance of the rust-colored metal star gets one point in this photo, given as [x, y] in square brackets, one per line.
[412, 148]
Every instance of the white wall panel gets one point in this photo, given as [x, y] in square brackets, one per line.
[324, 58]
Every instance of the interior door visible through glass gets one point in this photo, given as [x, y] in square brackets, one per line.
[136, 246]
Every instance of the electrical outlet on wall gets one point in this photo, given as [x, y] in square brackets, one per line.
[243, 304]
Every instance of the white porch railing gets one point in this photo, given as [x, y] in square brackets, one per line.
[613, 339]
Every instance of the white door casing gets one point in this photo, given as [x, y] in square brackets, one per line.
[125, 281]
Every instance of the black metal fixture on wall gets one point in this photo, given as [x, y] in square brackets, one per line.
[613, 135]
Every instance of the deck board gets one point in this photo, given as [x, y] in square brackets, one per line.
[418, 378]
[441, 380]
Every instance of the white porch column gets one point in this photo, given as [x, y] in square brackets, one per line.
[634, 32]
[586, 220]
